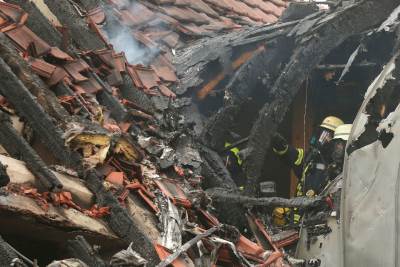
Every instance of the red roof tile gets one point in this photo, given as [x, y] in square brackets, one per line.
[41, 67]
[97, 15]
[166, 91]
[75, 68]
[58, 75]
[185, 15]
[24, 38]
[147, 76]
[59, 54]
[12, 11]
[165, 73]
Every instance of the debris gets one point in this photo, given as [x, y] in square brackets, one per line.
[128, 257]
[170, 259]
[132, 101]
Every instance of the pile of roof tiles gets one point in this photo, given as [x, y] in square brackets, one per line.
[170, 191]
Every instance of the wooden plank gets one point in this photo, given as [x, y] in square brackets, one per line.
[19, 174]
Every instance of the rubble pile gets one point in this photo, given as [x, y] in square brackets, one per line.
[98, 146]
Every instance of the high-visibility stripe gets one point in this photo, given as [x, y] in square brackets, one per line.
[300, 157]
[280, 153]
[235, 152]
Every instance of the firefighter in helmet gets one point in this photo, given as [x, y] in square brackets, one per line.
[310, 168]
[340, 138]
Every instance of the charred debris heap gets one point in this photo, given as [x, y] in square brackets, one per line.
[105, 145]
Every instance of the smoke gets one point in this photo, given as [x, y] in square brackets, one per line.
[123, 40]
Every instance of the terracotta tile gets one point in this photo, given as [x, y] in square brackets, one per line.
[41, 67]
[156, 34]
[97, 15]
[146, 76]
[281, 3]
[58, 75]
[201, 6]
[166, 91]
[136, 14]
[90, 86]
[143, 39]
[115, 178]
[193, 29]
[3, 20]
[171, 40]
[24, 37]
[115, 78]
[12, 11]
[185, 14]
[173, 190]
[59, 54]
[269, 7]
[120, 62]
[107, 57]
[134, 76]
[75, 68]
[165, 73]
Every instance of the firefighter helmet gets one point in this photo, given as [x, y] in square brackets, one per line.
[331, 123]
[343, 132]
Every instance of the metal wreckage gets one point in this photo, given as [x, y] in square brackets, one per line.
[114, 113]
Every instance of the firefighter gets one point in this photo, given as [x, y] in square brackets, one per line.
[340, 138]
[310, 168]
[233, 161]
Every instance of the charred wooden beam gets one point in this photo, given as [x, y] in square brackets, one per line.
[18, 147]
[120, 221]
[105, 97]
[261, 70]
[136, 96]
[312, 49]
[79, 248]
[342, 66]
[27, 107]
[4, 178]
[8, 254]
[219, 176]
[69, 15]
[224, 196]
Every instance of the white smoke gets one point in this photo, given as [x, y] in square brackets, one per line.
[123, 40]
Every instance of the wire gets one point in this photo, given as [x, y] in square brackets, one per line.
[305, 115]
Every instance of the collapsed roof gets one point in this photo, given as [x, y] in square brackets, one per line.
[107, 135]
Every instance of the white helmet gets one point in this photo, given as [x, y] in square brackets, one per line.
[343, 132]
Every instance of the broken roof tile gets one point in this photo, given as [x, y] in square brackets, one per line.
[58, 75]
[75, 68]
[59, 54]
[120, 62]
[97, 15]
[165, 73]
[116, 178]
[41, 67]
[166, 91]
[147, 76]
[24, 38]
[12, 11]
